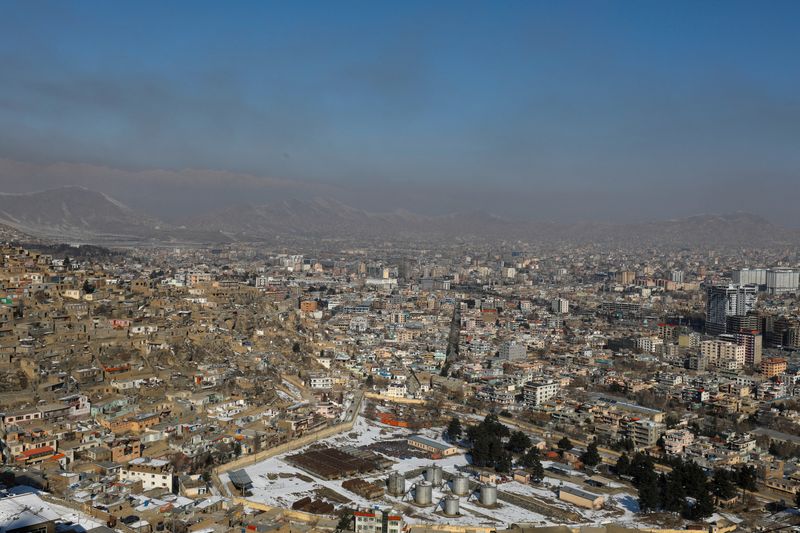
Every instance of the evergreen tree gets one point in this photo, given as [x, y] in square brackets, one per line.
[746, 479]
[694, 479]
[454, 429]
[564, 444]
[623, 466]
[703, 506]
[518, 442]
[649, 497]
[537, 471]
[591, 457]
[642, 469]
[345, 518]
[674, 495]
[722, 485]
[503, 463]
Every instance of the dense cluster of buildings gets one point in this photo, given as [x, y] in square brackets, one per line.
[126, 378]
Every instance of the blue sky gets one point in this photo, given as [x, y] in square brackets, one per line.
[577, 110]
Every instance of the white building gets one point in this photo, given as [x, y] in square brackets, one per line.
[723, 354]
[782, 280]
[750, 276]
[537, 392]
[649, 344]
[320, 381]
[677, 440]
[560, 305]
[513, 351]
[153, 473]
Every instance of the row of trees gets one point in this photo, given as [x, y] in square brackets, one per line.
[686, 489]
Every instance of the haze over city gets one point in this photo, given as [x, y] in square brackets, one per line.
[399, 267]
[609, 111]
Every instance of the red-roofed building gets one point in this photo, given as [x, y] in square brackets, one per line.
[378, 521]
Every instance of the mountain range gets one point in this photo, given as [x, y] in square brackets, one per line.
[76, 214]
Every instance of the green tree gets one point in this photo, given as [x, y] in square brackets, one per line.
[703, 506]
[747, 478]
[642, 469]
[674, 494]
[564, 444]
[503, 463]
[722, 484]
[623, 466]
[591, 457]
[518, 442]
[454, 429]
[345, 519]
[532, 462]
[649, 495]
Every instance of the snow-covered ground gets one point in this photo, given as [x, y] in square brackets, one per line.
[27, 500]
[276, 482]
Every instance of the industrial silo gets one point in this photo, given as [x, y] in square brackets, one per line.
[433, 475]
[488, 495]
[451, 505]
[423, 493]
[396, 484]
[461, 485]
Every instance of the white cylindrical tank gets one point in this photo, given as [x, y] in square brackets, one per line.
[433, 474]
[451, 505]
[488, 495]
[396, 484]
[461, 485]
[423, 493]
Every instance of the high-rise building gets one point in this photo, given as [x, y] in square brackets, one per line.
[723, 301]
[676, 276]
[750, 276]
[782, 280]
[560, 305]
[746, 323]
[751, 341]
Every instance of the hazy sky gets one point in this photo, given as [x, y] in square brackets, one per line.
[553, 110]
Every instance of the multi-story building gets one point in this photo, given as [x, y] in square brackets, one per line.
[560, 306]
[723, 301]
[723, 354]
[676, 441]
[644, 433]
[782, 280]
[773, 366]
[537, 392]
[153, 473]
[752, 343]
[750, 276]
[378, 521]
[649, 344]
[513, 351]
[320, 381]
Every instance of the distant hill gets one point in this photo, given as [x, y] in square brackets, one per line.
[75, 214]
